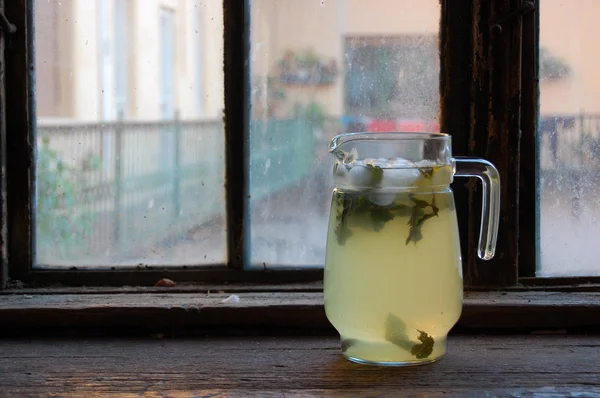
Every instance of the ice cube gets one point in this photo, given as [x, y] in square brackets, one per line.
[382, 198]
[400, 163]
[340, 171]
[371, 162]
[443, 176]
[398, 178]
[425, 163]
[361, 176]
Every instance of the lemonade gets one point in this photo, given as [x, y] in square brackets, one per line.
[393, 279]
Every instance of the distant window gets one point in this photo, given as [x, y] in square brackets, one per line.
[121, 57]
[392, 77]
[167, 58]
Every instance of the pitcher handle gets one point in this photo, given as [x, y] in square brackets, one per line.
[490, 208]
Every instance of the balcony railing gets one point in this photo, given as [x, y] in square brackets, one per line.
[107, 193]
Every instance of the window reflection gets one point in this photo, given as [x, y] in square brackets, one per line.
[319, 68]
[569, 138]
[130, 139]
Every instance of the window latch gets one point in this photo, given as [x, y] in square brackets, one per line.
[6, 26]
[526, 8]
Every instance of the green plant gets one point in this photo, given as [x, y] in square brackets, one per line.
[313, 113]
[60, 224]
[552, 67]
[267, 89]
[306, 67]
[308, 59]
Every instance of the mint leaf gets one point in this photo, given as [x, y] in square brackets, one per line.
[419, 203]
[395, 333]
[343, 233]
[379, 216]
[351, 205]
[414, 234]
[426, 171]
[424, 349]
[376, 174]
[343, 208]
[418, 213]
[419, 216]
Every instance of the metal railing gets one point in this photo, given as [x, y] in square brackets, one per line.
[108, 192]
[569, 141]
[569, 150]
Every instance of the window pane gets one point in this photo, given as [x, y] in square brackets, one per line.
[130, 155]
[569, 139]
[319, 68]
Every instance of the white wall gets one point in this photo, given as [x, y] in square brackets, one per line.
[85, 72]
[87, 88]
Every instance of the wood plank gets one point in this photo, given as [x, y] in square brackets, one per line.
[185, 311]
[18, 145]
[551, 284]
[495, 133]
[480, 365]
[529, 178]
[185, 287]
[146, 275]
[480, 102]
[456, 79]
[236, 47]
[3, 198]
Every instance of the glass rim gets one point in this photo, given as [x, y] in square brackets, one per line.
[387, 136]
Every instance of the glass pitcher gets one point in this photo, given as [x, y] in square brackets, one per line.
[393, 278]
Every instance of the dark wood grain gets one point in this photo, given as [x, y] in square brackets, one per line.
[236, 76]
[3, 205]
[582, 281]
[145, 275]
[529, 220]
[474, 366]
[456, 45]
[192, 288]
[495, 133]
[20, 141]
[185, 312]
[480, 87]
[502, 143]
[567, 284]
[478, 129]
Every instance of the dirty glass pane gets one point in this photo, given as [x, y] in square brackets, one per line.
[569, 139]
[130, 155]
[319, 68]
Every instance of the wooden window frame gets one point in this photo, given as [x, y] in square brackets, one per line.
[488, 103]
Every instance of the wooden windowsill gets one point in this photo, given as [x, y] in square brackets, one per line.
[306, 366]
[30, 310]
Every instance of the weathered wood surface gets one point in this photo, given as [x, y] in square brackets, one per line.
[456, 102]
[18, 152]
[532, 310]
[481, 107]
[526, 284]
[529, 220]
[192, 288]
[237, 99]
[518, 366]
